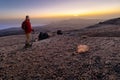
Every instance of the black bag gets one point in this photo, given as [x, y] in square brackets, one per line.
[43, 35]
[59, 32]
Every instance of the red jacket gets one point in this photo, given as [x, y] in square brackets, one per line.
[26, 26]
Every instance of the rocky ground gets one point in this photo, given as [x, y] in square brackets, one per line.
[56, 58]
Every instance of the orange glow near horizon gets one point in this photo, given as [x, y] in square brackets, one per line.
[78, 14]
[104, 11]
[82, 14]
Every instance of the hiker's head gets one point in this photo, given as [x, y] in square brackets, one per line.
[27, 17]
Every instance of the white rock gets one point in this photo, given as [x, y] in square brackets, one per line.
[82, 48]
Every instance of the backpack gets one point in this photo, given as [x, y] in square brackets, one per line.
[23, 26]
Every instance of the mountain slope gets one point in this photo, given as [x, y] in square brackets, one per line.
[109, 28]
[56, 58]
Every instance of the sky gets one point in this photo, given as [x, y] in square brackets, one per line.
[13, 9]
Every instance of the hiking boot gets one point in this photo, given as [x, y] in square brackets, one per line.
[27, 45]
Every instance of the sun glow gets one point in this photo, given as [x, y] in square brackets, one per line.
[78, 13]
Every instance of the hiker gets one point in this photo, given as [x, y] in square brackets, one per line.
[26, 26]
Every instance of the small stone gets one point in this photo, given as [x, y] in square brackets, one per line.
[116, 68]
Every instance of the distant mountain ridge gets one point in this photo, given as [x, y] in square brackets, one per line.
[108, 28]
[10, 31]
[17, 31]
[115, 21]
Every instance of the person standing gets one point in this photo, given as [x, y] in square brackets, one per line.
[26, 26]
